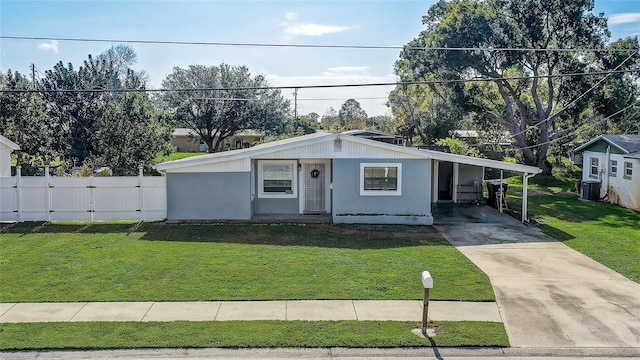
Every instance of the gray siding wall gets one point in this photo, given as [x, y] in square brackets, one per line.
[416, 189]
[467, 174]
[209, 196]
[275, 206]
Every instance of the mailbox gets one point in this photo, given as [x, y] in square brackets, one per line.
[427, 280]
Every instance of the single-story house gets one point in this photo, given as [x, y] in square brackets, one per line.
[187, 140]
[353, 179]
[613, 161]
[6, 147]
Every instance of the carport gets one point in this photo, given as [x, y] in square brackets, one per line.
[459, 179]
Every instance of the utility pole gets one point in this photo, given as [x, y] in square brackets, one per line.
[33, 74]
[295, 103]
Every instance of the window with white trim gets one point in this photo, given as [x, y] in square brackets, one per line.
[628, 170]
[594, 167]
[277, 179]
[380, 179]
[613, 168]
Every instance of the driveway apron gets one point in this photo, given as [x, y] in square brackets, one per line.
[548, 294]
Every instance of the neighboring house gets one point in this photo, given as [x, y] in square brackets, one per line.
[6, 147]
[355, 180]
[187, 140]
[614, 162]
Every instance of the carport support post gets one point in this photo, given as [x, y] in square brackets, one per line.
[427, 281]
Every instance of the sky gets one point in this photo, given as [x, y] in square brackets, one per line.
[375, 23]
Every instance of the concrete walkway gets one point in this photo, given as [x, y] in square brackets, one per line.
[549, 295]
[248, 310]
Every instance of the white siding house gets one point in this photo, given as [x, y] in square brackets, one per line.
[614, 162]
[6, 147]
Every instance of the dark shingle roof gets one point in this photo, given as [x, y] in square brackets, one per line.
[628, 143]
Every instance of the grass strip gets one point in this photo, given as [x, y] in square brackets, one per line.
[244, 334]
[72, 262]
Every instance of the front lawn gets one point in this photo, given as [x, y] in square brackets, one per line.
[243, 334]
[607, 233]
[163, 262]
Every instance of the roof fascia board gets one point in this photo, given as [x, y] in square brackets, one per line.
[10, 144]
[502, 165]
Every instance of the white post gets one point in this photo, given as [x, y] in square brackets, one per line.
[18, 193]
[140, 193]
[92, 200]
[47, 185]
[427, 282]
[500, 191]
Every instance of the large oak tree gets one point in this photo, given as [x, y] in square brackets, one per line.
[217, 101]
[536, 105]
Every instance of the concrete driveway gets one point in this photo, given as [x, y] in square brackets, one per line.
[548, 294]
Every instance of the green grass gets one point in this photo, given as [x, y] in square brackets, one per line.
[607, 233]
[243, 334]
[163, 262]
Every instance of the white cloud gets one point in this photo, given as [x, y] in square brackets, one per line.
[293, 28]
[49, 46]
[371, 98]
[624, 18]
[312, 29]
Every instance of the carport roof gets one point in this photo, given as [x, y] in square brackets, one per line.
[321, 137]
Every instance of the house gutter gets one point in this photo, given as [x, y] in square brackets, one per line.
[525, 198]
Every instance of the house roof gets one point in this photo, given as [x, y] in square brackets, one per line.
[628, 144]
[300, 142]
[8, 143]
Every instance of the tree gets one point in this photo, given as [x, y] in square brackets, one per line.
[383, 123]
[221, 100]
[304, 124]
[536, 102]
[457, 146]
[76, 99]
[423, 111]
[22, 119]
[330, 121]
[132, 134]
[352, 116]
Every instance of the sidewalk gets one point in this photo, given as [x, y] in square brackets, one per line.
[311, 310]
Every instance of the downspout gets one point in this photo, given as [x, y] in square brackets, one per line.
[605, 173]
[525, 198]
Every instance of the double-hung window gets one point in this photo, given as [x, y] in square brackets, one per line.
[628, 170]
[594, 167]
[380, 179]
[613, 168]
[277, 179]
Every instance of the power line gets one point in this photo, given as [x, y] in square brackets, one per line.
[577, 98]
[293, 87]
[577, 129]
[280, 45]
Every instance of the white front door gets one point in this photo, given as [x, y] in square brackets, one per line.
[315, 181]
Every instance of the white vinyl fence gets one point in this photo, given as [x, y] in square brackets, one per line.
[47, 198]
